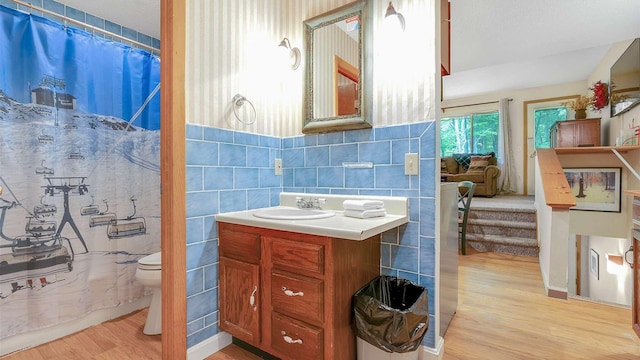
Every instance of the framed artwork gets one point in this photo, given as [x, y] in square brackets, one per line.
[595, 189]
[594, 260]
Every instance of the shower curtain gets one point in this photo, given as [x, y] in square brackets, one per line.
[79, 171]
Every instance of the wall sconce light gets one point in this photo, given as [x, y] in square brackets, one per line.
[392, 15]
[294, 53]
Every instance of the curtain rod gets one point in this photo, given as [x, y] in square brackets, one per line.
[80, 23]
[482, 103]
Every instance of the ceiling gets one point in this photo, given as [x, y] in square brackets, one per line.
[140, 15]
[496, 45]
[499, 45]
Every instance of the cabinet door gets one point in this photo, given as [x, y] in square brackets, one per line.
[240, 299]
[587, 133]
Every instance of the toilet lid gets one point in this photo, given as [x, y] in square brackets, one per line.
[150, 261]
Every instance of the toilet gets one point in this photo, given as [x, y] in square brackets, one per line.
[148, 274]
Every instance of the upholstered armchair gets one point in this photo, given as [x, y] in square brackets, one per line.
[481, 169]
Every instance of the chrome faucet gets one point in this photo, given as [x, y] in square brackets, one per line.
[311, 203]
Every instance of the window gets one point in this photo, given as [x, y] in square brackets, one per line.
[475, 133]
[544, 120]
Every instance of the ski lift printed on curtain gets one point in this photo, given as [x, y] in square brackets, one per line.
[79, 169]
[595, 189]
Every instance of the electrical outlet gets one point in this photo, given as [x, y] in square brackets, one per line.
[278, 166]
[411, 164]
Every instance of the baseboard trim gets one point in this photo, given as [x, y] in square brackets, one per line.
[434, 353]
[204, 349]
[557, 294]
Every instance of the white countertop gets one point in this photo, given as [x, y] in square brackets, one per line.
[338, 226]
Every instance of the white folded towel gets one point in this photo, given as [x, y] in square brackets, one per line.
[365, 214]
[362, 204]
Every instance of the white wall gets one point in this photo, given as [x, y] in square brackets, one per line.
[614, 282]
[634, 159]
[553, 235]
[232, 47]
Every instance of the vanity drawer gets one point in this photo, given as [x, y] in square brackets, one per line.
[243, 246]
[297, 296]
[295, 339]
[297, 256]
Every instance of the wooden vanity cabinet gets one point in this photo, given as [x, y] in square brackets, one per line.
[304, 290]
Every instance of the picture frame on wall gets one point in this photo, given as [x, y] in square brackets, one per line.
[595, 189]
[594, 264]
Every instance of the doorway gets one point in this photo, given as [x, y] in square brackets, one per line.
[346, 84]
[539, 116]
[598, 269]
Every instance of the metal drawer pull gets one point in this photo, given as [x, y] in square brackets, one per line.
[291, 293]
[288, 338]
[252, 299]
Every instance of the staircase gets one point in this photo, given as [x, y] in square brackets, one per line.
[504, 225]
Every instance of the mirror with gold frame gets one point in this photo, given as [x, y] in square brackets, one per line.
[338, 82]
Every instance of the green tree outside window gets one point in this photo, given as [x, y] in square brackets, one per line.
[475, 133]
[544, 120]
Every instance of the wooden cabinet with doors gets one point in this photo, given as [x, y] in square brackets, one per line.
[239, 269]
[289, 294]
[576, 133]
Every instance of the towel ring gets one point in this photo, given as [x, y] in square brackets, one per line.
[238, 101]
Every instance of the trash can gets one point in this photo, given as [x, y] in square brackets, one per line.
[391, 316]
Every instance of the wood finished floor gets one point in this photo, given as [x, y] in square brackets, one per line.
[118, 339]
[503, 313]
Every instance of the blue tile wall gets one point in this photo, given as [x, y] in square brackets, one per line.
[86, 18]
[234, 171]
[226, 171]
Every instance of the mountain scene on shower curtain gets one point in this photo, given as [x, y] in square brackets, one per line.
[70, 257]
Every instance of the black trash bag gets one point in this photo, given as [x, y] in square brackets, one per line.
[392, 314]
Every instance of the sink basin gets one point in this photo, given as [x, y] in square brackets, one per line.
[291, 213]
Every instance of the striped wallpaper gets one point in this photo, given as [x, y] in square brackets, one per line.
[232, 48]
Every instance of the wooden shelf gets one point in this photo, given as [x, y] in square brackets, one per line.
[595, 149]
[557, 193]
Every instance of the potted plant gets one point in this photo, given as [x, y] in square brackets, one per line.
[579, 105]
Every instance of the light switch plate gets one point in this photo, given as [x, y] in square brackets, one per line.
[278, 166]
[411, 164]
